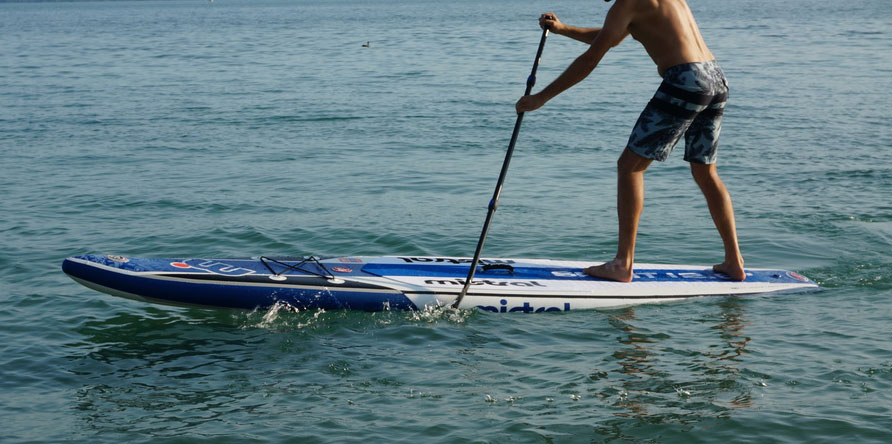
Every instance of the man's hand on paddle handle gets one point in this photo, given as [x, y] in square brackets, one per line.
[535, 101]
[529, 103]
[551, 22]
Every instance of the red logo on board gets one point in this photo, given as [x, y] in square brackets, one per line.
[797, 276]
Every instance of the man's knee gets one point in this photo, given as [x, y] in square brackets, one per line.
[629, 162]
[704, 174]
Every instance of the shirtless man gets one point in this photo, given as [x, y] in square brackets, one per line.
[689, 102]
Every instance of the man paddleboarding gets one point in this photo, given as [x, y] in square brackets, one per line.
[690, 102]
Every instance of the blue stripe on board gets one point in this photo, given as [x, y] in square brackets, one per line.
[573, 274]
[241, 266]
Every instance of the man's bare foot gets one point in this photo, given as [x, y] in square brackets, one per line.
[613, 270]
[733, 270]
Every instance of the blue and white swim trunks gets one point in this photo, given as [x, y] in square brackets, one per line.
[690, 101]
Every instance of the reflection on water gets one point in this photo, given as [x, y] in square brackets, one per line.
[667, 377]
[633, 357]
[730, 330]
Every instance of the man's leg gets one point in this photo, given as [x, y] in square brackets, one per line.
[722, 211]
[629, 204]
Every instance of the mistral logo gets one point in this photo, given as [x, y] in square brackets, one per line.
[485, 282]
[451, 260]
[525, 308]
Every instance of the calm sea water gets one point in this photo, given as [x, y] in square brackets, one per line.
[234, 128]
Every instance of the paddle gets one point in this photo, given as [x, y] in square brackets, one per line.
[494, 202]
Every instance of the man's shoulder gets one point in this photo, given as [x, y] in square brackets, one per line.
[637, 6]
[646, 11]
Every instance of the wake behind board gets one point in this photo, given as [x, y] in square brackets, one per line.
[406, 283]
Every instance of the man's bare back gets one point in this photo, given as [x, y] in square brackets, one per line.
[668, 31]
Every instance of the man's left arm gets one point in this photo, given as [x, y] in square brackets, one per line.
[615, 29]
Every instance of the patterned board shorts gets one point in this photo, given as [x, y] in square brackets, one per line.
[690, 101]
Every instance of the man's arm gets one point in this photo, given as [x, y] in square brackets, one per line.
[554, 24]
[615, 29]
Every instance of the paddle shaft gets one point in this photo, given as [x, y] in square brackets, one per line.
[494, 202]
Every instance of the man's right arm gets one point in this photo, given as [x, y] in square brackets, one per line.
[614, 31]
[584, 35]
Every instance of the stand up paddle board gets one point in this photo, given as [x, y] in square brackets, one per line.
[406, 283]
